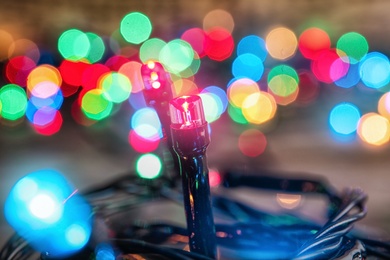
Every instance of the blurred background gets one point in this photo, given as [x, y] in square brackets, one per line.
[298, 88]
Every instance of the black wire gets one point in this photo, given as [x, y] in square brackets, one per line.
[251, 228]
[128, 246]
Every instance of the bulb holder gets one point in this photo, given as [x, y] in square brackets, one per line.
[189, 129]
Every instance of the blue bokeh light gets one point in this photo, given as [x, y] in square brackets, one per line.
[252, 44]
[344, 118]
[375, 70]
[352, 77]
[41, 208]
[248, 65]
[146, 123]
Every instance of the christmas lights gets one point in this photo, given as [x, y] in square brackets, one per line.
[157, 93]
[190, 139]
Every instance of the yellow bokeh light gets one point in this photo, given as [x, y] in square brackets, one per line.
[281, 43]
[259, 107]
[218, 18]
[6, 40]
[240, 89]
[184, 87]
[374, 129]
[384, 105]
[43, 73]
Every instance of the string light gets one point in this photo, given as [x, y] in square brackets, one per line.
[190, 139]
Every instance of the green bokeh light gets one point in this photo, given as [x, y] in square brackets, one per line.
[192, 69]
[236, 115]
[135, 27]
[13, 102]
[283, 69]
[150, 49]
[177, 55]
[148, 166]
[116, 87]
[283, 85]
[74, 45]
[95, 106]
[97, 48]
[354, 45]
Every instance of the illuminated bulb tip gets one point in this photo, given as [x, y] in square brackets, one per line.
[156, 85]
[151, 64]
[187, 112]
[154, 76]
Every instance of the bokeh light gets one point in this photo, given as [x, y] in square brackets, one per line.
[141, 144]
[116, 87]
[218, 18]
[18, 68]
[197, 38]
[344, 118]
[92, 74]
[148, 166]
[239, 89]
[252, 44]
[281, 43]
[375, 70]
[183, 87]
[74, 44]
[13, 101]
[135, 27]
[176, 56]
[220, 93]
[43, 73]
[132, 70]
[252, 142]
[248, 65]
[212, 106]
[95, 106]
[351, 78]
[150, 49]
[309, 88]
[24, 47]
[374, 129]
[384, 105]
[6, 40]
[41, 207]
[146, 123]
[328, 66]
[312, 41]
[97, 47]
[236, 115]
[353, 45]
[259, 107]
[219, 44]
[72, 71]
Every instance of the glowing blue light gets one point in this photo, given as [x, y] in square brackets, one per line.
[351, 78]
[41, 207]
[212, 105]
[344, 118]
[248, 65]
[375, 70]
[220, 93]
[77, 234]
[137, 100]
[104, 251]
[252, 44]
[146, 123]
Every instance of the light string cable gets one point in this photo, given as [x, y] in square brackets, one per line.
[327, 238]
